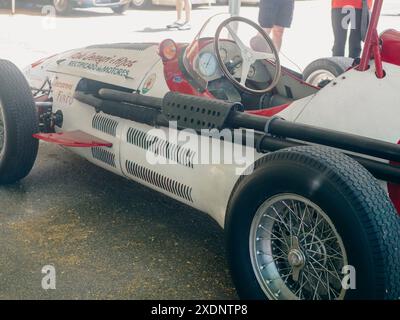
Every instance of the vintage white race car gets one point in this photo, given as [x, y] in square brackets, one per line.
[303, 179]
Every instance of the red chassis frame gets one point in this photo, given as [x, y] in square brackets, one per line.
[372, 43]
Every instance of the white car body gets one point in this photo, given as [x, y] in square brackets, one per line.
[329, 108]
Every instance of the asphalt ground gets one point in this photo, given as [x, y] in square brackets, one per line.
[107, 237]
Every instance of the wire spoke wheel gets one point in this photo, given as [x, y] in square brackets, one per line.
[296, 252]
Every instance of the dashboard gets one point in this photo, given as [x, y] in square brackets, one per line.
[206, 65]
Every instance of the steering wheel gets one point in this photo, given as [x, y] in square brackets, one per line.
[249, 56]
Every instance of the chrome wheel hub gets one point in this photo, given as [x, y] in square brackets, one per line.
[320, 76]
[296, 258]
[295, 250]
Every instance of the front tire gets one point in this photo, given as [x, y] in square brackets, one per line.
[303, 215]
[18, 122]
[320, 72]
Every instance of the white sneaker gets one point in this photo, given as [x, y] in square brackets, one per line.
[185, 26]
[174, 25]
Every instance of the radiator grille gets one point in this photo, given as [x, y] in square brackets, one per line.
[162, 147]
[104, 156]
[105, 124]
[160, 181]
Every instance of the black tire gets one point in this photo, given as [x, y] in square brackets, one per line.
[17, 110]
[334, 65]
[63, 8]
[358, 207]
[121, 9]
[141, 5]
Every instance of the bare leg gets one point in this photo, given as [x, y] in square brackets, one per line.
[188, 10]
[277, 36]
[267, 30]
[179, 6]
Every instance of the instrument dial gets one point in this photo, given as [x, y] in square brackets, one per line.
[208, 64]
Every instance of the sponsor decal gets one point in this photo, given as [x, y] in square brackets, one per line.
[149, 83]
[63, 98]
[62, 85]
[113, 65]
[63, 92]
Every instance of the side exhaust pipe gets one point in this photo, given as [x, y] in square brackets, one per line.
[273, 134]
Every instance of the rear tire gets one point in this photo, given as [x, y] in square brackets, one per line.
[121, 9]
[320, 72]
[18, 122]
[357, 215]
[141, 4]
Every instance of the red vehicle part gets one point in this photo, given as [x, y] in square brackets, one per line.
[76, 139]
[270, 112]
[394, 189]
[176, 80]
[372, 44]
[390, 40]
[394, 194]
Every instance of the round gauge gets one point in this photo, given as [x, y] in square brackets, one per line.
[224, 54]
[207, 64]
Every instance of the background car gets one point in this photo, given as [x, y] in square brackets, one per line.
[243, 2]
[65, 6]
[142, 4]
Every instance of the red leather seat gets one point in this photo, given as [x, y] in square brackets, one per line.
[391, 46]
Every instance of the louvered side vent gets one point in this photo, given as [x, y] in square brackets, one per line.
[105, 124]
[160, 181]
[104, 156]
[162, 147]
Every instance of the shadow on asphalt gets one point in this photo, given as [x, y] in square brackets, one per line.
[152, 30]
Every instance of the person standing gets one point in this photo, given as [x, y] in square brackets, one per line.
[274, 16]
[347, 14]
[179, 24]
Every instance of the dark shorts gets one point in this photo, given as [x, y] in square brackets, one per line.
[276, 13]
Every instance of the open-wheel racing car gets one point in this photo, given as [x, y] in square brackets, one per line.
[312, 212]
